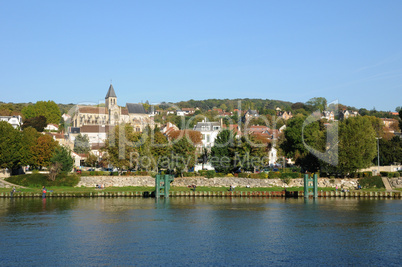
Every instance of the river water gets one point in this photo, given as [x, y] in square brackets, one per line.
[200, 231]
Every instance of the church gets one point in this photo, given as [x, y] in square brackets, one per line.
[112, 114]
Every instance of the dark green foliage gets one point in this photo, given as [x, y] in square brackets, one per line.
[38, 123]
[223, 151]
[390, 151]
[62, 155]
[290, 175]
[81, 144]
[38, 180]
[370, 182]
[202, 173]
[210, 174]
[47, 109]
[10, 146]
[243, 175]
[273, 175]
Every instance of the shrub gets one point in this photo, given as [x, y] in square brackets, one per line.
[38, 180]
[272, 175]
[290, 175]
[229, 175]
[243, 175]
[210, 174]
[286, 180]
[188, 174]
[396, 174]
[384, 174]
[370, 182]
[263, 175]
[254, 175]
[367, 174]
[220, 174]
[202, 173]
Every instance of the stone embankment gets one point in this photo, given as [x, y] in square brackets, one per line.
[395, 182]
[122, 181]
[330, 194]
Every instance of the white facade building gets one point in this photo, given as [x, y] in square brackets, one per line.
[15, 121]
[209, 131]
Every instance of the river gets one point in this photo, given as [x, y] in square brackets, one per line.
[200, 231]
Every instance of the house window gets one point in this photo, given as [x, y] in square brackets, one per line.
[208, 138]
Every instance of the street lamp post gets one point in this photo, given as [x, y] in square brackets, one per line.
[378, 152]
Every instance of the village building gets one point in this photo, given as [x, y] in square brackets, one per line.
[112, 114]
[285, 115]
[15, 121]
[345, 114]
[209, 132]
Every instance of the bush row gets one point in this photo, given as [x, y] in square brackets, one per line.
[390, 174]
[38, 180]
[352, 175]
[370, 182]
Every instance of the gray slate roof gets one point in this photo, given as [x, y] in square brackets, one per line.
[135, 108]
[111, 92]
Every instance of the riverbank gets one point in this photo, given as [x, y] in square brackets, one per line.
[189, 193]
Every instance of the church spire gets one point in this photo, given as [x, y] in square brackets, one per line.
[111, 92]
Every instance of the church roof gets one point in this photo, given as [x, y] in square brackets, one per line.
[135, 108]
[111, 92]
[93, 110]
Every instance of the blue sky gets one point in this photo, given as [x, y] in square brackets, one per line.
[68, 51]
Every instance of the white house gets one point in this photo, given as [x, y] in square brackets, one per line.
[52, 127]
[97, 134]
[180, 113]
[273, 156]
[15, 121]
[209, 131]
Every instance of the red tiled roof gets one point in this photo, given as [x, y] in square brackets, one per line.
[96, 129]
[92, 110]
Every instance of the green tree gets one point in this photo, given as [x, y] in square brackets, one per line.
[91, 160]
[38, 123]
[223, 152]
[313, 135]
[62, 155]
[122, 147]
[184, 155]
[48, 109]
[390, 151]
[81, 144]
[250, 154]
[317, 103]
[400, 119]
[357, 144]
[29, 138]
[10, 146]
[43, 151]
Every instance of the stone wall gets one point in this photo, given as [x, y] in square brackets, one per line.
[395, 182]
[116, 181]
[119, 181]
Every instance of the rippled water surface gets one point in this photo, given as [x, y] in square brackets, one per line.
[200, 231]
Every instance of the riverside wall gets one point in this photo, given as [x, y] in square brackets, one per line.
[123, 181]
[103, 194]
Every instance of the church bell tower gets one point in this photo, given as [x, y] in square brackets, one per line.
[111, 104]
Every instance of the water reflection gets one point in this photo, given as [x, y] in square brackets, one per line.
[201, 231]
